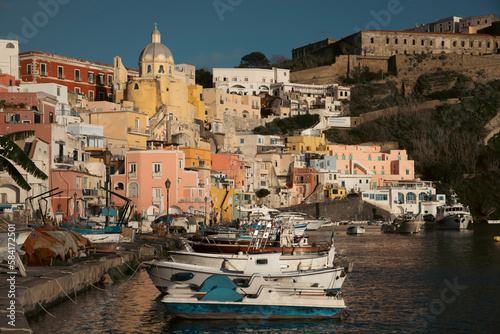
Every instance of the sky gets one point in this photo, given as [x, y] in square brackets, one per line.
[209, 33]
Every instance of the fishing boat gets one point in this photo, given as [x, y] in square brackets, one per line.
[453, 216]
[288, 262]
[407, 223]
[165, 274]
[353, 230]
[220, 298]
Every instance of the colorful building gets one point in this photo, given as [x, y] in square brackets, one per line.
[94, 80]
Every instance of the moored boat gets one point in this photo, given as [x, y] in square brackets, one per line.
[408, 223]
[453, 216]
[257, 300]
[353, 230]
[166, 274]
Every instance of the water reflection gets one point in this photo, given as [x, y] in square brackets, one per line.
[397, 286]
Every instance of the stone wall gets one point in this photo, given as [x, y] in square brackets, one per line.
[345, 209]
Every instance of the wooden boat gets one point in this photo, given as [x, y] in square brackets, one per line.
[408, 223]
[222, 299]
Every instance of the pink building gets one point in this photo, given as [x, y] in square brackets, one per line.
[366, 160]
[232, 166]
[143, 181]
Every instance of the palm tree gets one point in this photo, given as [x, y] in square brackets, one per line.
[10, 151]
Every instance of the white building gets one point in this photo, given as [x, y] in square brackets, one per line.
[9, 57]
[407, 196]
[248, 81]
[64, 115]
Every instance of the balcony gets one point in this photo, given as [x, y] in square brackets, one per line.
[157, 175]
[191, 200]
[132, 176]
[61, 76]
[138, 131]
[78, 79]
[90, 192]
[64, 160]
[43, 74]
[156, 200]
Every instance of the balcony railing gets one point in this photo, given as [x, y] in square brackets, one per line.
[61, 76]
[64, 160]
[78, 79]
[90, 192]
[191, 200]
[139, 131]
[156, 200]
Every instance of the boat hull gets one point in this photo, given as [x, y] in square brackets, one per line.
[404, 227]
[257, 311]
[165, 275]
[236, 248]
[238, 261]
[453, 222]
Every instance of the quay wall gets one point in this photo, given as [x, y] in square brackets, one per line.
[343, 209]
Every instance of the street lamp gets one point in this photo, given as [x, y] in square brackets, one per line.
[205, 220]
[107, 161]
[167, 185]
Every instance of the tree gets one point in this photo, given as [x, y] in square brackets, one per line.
[10, 151]
[278, 60]
[254, 60]
[204, 77]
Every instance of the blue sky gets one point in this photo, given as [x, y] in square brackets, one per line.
[211, 33]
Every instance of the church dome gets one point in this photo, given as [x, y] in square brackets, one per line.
[155, 50]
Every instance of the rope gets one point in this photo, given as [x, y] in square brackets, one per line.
[126, 262]
[55, 279]
[38, 302]
[118, 267]
[138, 267]
[72, 279]
[98, 288]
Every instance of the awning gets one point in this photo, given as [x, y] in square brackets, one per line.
[5, 206]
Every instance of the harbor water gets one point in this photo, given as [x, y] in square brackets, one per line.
[432, 282]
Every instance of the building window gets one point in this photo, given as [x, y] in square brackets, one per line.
[101, 96]
[58, 91]
[396, 41]
[430, 42]
[413, 42]
[28, 69]
[454, 43]
[442, 43]
[422, 42]
[60, 73]
[77, 90]
[407, 172]
[161, 69]
[463, 44]
[43, 70]
[91, 78]
[156, 169]
[110, 97]
[132, 168]
[387, 41]
[77, 75]
[136, 86]
[404, 41]
[100, 79]
[242, 141]
[471, 44]
[91, 95]
[110, 80]
[371, 40]
[149, 69]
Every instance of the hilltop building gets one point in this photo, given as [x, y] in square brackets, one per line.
[9, 57]
[248, 81]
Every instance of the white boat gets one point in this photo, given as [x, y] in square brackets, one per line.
[288, 262]
[166, 274]
[493, 222]
[453, 216]
[222, 299]
[352, 230]
[298, 218]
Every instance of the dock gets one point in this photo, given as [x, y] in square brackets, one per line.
[22, 297]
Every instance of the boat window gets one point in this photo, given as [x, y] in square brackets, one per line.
[261, 261]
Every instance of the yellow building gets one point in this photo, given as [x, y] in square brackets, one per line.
[195, 97]
[159, 86]
[334, 193]
[197, 157]
[307, 144]
[123, 127]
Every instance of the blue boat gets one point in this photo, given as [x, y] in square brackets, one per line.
[220, 298]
